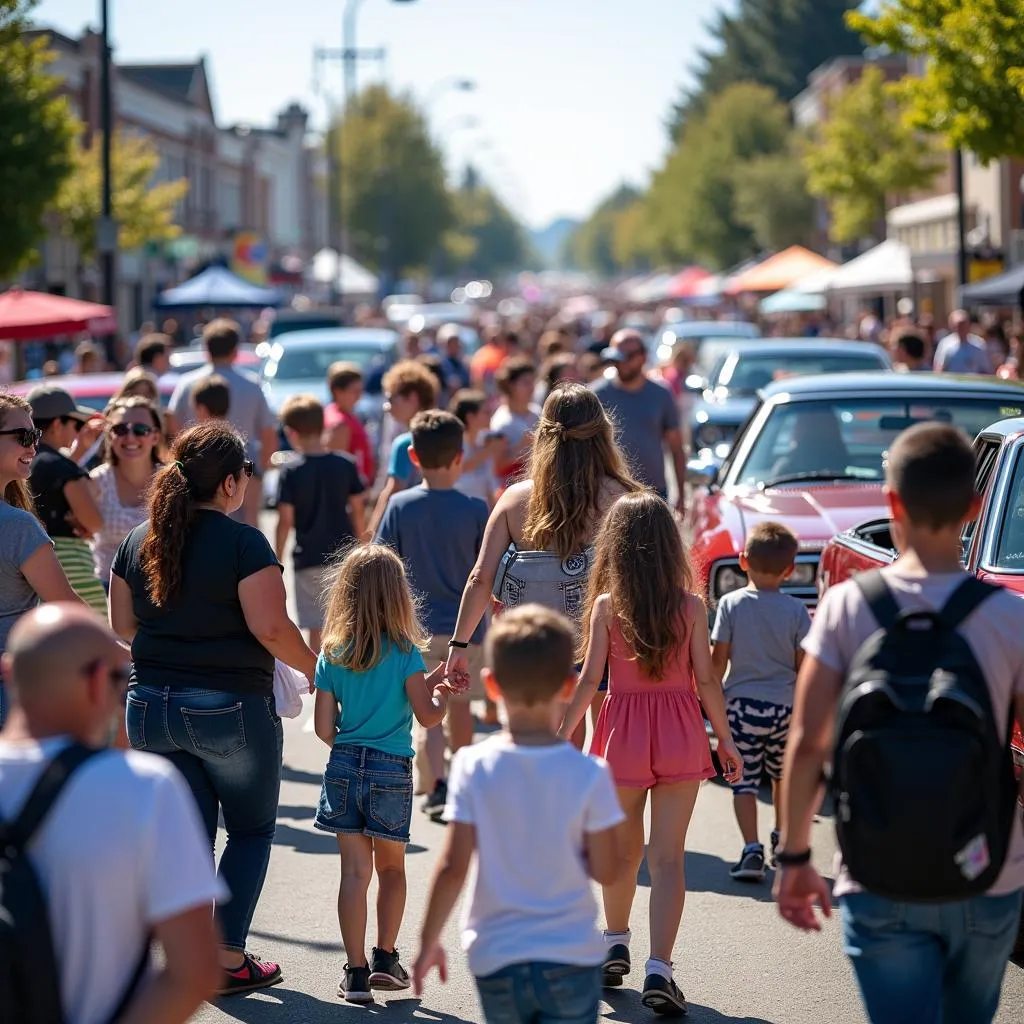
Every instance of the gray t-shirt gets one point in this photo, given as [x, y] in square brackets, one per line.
[642, 418]
[844, 621]
[248, 411]
[21, 536]
[956, 356]
[765, 629]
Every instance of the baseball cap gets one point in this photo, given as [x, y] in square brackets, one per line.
[51, 403]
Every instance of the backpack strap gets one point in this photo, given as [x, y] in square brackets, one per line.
[44, 794]
[879, 598]
[965, 600]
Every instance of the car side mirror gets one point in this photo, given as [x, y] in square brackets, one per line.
[702, 471]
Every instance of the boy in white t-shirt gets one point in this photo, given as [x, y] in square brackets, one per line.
[478, 448]
[542, 819]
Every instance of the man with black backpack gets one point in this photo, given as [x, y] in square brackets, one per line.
[101, 851]
[907, 694]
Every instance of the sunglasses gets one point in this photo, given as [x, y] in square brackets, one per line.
[135, 429]
[74, 421]
[248, 467]
[27, 437]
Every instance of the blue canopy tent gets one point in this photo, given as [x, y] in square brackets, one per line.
[1002, 290]
[217, 286]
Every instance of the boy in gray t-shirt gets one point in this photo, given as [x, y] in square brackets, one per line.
[757, 636]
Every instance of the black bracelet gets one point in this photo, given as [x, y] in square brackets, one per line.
[458, 644]
[793, 860]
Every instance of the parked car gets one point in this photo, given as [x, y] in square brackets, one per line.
[291, 320]
[730, 392]
[811, 456]
[93, 390]
[993, 543]
[711, 339]
[185, 359]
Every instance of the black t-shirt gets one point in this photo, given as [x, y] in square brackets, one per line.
[51, 473]
[319, 487]
[200, 637]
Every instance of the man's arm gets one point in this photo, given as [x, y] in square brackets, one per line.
[285, 525]
[674, 443]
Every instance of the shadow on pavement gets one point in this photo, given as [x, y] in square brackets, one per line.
[708, 873]
[321, 947]
[296, 775]
[307, 841]
[284, 1006]
[626, 1007]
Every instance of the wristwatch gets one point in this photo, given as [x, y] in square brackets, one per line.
[458, 644]
[793, 860]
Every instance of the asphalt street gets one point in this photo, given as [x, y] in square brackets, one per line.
[735, 959]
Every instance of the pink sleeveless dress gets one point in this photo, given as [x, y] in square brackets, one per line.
[651, 732]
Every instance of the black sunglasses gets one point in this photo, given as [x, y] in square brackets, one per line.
[78, 424]
[27, 437]
[248, 467]
[136, 429]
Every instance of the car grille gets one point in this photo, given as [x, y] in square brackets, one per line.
[726, 576]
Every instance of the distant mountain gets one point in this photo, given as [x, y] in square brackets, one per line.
[548, 241]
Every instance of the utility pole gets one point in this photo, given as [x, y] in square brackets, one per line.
[961, 218]
[106, 235]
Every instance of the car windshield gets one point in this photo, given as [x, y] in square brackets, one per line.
[1010, 546]
[292, 324]
[846, 437]
[746, 374]
[711, 351]
[312, 363]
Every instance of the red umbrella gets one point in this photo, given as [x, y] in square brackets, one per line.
[28, 315]
[684, 284]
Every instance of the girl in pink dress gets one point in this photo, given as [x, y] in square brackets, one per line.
[653, 631]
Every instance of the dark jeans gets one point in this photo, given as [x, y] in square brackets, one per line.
[540, 993]
[930, 963]
[228, 746]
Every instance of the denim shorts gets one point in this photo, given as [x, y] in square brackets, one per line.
[602, 687]
[532, 991]
[366, 792]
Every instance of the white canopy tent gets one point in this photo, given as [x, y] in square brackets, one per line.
[349, 276]
[885, 269]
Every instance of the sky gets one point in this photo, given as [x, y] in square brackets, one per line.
[571, 96]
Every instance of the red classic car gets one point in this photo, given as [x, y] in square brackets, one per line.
[811, 457]
[93, 390]
[993, 543]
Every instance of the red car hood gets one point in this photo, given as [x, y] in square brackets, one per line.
[814, 514]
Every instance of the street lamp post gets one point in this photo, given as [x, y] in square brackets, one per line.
[106, 235]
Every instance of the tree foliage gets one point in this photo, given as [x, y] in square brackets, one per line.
[971, 89]
[143, 210]
[864, 151]
[609, 241]
[396, 201]
[776, 43]
[771, 199]
[36, 134]
[487, 240]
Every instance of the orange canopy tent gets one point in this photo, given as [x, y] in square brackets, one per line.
[779, 271]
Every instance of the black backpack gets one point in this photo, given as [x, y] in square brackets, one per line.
[29, 975]
[922, 773]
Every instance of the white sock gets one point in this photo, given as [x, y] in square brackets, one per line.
[617, 938]
[659, 967]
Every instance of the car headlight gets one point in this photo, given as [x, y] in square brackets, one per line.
[727, 579]
[803, 574]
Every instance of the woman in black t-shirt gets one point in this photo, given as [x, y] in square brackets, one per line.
[201, 599]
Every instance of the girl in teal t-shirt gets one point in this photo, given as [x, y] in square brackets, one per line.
[370, 682]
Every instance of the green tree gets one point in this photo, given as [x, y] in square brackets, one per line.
[487, 240]
[693, 198]
[771, 199]
[144, 210]
[36, 135]
[396, 201]
[776, 43]
[972, 88]
[598, 244]
[863, 152]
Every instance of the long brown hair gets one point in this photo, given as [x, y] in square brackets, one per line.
[17, 492]
[203, 457]
[574, 457]
[645, 568]
[370, 602]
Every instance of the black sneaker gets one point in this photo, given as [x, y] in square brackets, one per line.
[750, 866]
[386, 973]
[616, 965]
[433, 806]
[663, 996]
[774, 860]
[355, 985]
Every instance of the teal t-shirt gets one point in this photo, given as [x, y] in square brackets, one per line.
[375, 711]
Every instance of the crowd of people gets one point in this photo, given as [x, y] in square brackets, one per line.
[521, 560]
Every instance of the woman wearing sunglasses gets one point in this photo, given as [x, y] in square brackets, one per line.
[121, 484]
[29, 570]
[201, 599]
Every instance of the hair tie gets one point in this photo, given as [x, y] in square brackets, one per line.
[179, 465]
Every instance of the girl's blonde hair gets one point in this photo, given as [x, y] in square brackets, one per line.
[17, 492]
[574, 456]
[644, 566]
[370, 602]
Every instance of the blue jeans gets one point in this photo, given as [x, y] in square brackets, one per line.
[228, 746]
[541, 993]
[366, 792]
[931, 963]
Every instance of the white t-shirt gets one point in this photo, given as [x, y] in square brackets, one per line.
[532, 807]
[514, 425]
[843, 621]
[121, 850]
[479, 482]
